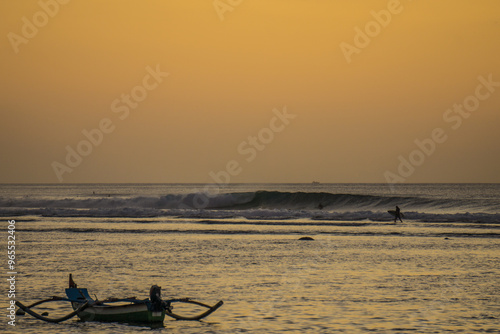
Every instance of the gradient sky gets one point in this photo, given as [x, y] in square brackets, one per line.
[228, 70]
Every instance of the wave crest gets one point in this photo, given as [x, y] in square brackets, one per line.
[258, 205]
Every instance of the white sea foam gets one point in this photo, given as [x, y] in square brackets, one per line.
[273, 205]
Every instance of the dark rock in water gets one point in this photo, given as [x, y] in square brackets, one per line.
[45, 314]
[306, 238]
[446, 238]
[20, 312]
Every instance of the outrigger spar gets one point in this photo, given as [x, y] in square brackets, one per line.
[129, 310]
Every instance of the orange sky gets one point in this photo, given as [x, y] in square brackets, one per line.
[356, 116]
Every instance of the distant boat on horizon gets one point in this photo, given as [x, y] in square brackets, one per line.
[315, 182]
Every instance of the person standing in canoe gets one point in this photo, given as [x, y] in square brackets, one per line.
[398, 214]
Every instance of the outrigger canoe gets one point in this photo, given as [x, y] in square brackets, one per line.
[129, 310]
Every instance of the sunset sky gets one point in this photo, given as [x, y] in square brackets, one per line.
[264, 89]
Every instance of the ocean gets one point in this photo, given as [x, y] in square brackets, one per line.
[437, 271]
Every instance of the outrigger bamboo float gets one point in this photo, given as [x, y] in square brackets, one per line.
[128, 310]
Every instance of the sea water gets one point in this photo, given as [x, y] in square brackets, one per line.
[438, 271]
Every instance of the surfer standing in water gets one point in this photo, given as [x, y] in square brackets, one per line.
[397, 214]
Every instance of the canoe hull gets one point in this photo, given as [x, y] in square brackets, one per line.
[130, 313]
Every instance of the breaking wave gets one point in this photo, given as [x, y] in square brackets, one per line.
[260, 205]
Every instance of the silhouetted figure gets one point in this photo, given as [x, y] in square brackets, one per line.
[397, 214]
[320, 206]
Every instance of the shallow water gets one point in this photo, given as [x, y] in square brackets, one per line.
[270, 282]
[437, 272]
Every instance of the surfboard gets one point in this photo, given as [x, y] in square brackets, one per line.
[393, 213]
